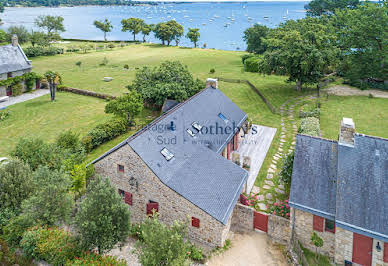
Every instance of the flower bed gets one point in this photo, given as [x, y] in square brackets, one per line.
[280, 209]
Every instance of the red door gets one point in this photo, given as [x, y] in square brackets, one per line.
[362, 249]
[260, 221]
[152, 206]
[37, 84]
[9, 91]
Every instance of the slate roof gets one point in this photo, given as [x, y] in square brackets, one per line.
[359, 200]
[168, 104]
[12, 58]
[197, 172]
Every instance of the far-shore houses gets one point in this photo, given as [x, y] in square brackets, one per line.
[13, 63]
[340, 191]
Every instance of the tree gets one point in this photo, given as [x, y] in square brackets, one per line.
[3, 36]
[254, 36]
[105, 26]
[146, 30]
[126, 106]
[103, 218]
[16, 185]
[193, 35]
[52, 24]
[162, 245]
[39, 38]
[133, 25]
[304, 50]
[177, 30]
[317, 242]
[170, 80]
[51, 202]
[20, 31]
[164, 33]
[328, 7]
[53, 79]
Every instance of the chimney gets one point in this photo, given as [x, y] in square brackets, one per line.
[347, 131]
[15, 41]
[211, 83]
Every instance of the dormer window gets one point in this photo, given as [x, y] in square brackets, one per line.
[220, 115]
[197, 126]
[191, 133]
[167, 154]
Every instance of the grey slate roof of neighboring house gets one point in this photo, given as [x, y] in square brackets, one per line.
[168, 104]
[197, 171]
[359, 201]
[362, 193]
[314, 175]
[12, 58]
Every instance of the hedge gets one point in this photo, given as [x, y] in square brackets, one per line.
[28, 77]
[34, 51]
[86, 93]
[103, 133]
[310, 126]
[251, 64]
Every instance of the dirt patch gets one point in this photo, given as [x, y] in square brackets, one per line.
[341, 90]
[250, 249]
[126, 252]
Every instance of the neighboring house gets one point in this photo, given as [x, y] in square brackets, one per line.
[340, 190]
[13, 63]
[178, 165]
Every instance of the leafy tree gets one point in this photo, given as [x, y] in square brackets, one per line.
[162, 245]
[68, 140]
[317, 242]
[103, 218]
[20, 31]
[164, 32]
[52, 24]
[133, 25]
[304, 50]
[126, 106]
[170, 80]
[53, 79]
[146, 30]
[51, 202]
[328, 7]
[254, 36]
[193, 35]
[39, 38]
[177, 30]
[105, 26]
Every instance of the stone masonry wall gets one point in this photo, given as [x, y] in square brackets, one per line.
[279, 229]
[343, 245]
[304, 228]
[242, 218]
[144, 185]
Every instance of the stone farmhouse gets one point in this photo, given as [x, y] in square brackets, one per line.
[13, 63]
[180, 166]
[339, 190]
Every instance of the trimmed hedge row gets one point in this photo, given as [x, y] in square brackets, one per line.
[310, 126]
[86, 93]
[252, 64]
[34, 51]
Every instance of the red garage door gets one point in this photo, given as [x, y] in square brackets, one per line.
[362, 249]
[260, 221]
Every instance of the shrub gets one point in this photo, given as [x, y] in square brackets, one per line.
[15, 229]
[126, 66]
[310, 126]
[111, 45]
[251, 64]
[53, 245]
[4, 115]
[68, 140]
[42, 51]
[17, 89]
[92, 259]
[136, 230]
[195, 253]
[7, 257]
[104, 132]
[79, 63]
[280, 209]
[245, 57]
[286, 171]
[104, 62]
[212, 71]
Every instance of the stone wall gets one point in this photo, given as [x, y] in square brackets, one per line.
[303, 229]
[242, 218]
[144, 185]
[279, 229]
[343, 245]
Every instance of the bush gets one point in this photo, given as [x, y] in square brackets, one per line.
[53, 245]
[15, 229]
[252, 64]
[42, 51]
[245, 57]
[280, 209]
[212, 71]
[79, 63]
[126, 66]
[92, 259]
[310, 126]
[111, 45]
[17, 89]
[68, 140]
[286, 171]
[7, 257]
[103, 133]
[104, 62]
[195, 253]
[4, 115]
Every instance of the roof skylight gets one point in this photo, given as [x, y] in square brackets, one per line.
[167, 154]
[220, 115]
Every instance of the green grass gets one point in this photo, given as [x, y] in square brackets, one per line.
[315, 260]
[369, 114]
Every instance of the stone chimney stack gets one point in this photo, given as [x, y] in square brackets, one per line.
[15, 40]
[347, 131]
[212, 83]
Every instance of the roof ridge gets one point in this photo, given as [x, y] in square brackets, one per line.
[370, 136]
[317, 137]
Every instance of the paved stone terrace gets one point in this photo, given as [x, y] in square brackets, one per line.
[24, 97]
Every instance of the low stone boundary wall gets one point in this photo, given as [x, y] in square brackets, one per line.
[87, 93]
[279, 229]
[242, 219]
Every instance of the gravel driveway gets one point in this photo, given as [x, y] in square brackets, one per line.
[341, 90]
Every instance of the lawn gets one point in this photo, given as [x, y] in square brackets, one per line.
[369, 114]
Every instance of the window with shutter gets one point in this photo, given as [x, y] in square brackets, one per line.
[330, 226]
[152, 206]
[318, 223]
[128, 198]
[120, 168]
[385, 259]
[122, 193]
[195, 222]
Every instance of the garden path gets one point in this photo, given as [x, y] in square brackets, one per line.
[24, 97]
